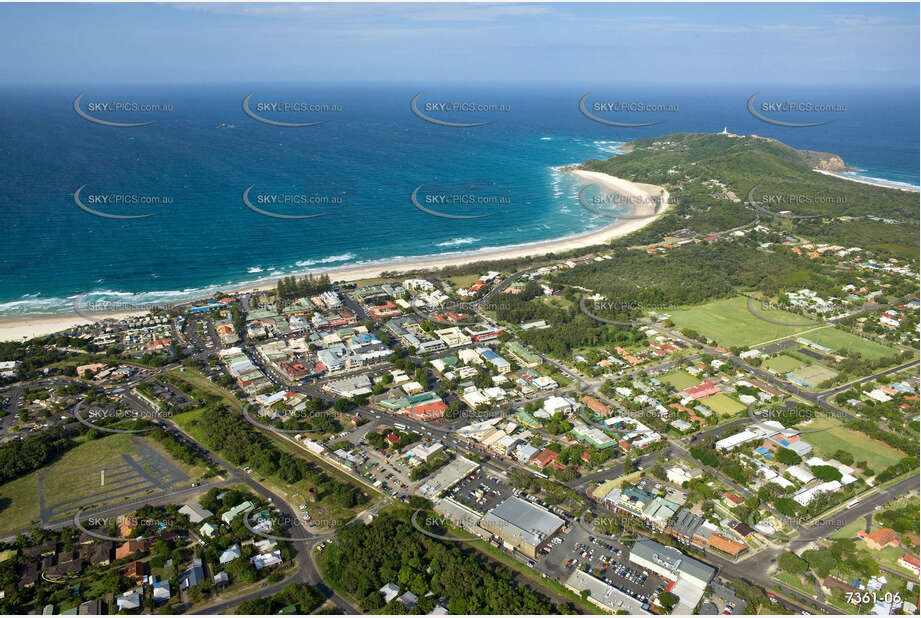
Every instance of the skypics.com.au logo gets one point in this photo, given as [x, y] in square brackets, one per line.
[109, 205]
[117, 113]
[772, 111]
[605, 112]
[437, 112]
[284, 111]
[295, 205]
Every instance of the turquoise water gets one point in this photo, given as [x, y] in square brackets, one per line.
[362, 164]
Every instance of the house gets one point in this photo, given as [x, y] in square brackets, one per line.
[408, 599]
[705, 389]
[136, 570]
[732, 500]
[221, 578]
[195, 512]
[230, 554]
[161, 592]
[266, 560]
[130, 548]
[911, 563]
[390, 592]
[128, 600]
[102, 554]
[230, 515]
[192, 576]
[880, 539]
[208, 530]
[90, 608]
[544, 458]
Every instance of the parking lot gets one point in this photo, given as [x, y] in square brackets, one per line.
[481, 491]
[390, 470]
[604, 558]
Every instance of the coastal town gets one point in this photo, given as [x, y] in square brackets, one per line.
[748, 454]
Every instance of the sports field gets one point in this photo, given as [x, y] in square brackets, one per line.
[782, 363]
[839, 340]
[835, 436]
[679, 379]
[730, 323]
[813, 375]
[724, 405]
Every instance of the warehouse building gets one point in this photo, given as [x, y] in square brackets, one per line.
[521, 526]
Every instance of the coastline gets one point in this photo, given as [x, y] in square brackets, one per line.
[17, 328]
[865, 182]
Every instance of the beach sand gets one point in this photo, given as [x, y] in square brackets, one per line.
[25, 327]
[865, 182]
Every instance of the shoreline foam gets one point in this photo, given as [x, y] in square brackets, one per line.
[868, 182]
[17, 328]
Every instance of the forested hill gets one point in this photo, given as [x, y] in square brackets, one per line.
[783, 178]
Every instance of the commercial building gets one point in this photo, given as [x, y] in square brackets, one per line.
[521, 526]
[691, 576]
[522, 355]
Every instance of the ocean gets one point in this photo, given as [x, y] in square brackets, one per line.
[357, 171]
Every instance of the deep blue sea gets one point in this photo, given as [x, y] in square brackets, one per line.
[365, 161]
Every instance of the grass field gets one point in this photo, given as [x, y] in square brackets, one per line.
[74, 480]
[835, 436]
[730, 323]
[782, 363]
[724, 405]
[679, 379]
[813, 375]
[840, 340]
[195, 378]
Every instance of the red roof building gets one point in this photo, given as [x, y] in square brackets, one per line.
[544, 458]
[430, 411]
[705, 389]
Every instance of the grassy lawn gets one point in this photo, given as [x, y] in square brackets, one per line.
[782, 363]
[679, 379]
[76, 475]
[723, 404]
[794, 582]
[850, 531]
[730, 323]
[195, 378]
[889, 557]
[835, 436]
[840, 340]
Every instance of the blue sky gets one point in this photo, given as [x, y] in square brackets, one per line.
[563, 43]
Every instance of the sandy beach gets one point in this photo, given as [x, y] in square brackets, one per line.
[26, 327]
[865, 182]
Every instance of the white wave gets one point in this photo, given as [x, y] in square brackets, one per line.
[254, 269]
[327, 260]
[457, 242]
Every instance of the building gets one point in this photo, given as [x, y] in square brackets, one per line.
[880, 539]
[192, 576]
[522, 355]
[596, 406]
[230, 515]
[483, 332]
[544, 458]
[726, 545]
[691, 576]
[607, 597]
[911, 563]
[705, 389]
[195, 512]
[521, 526]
